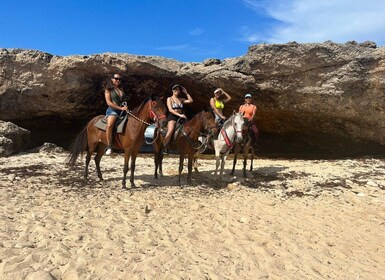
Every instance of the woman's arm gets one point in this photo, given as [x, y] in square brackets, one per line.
[189, 98]
[254, 112]
[228, 97]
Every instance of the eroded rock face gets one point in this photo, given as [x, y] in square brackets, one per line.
[13, 139]
[324, 98]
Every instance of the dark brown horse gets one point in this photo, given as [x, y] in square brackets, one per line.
[202, 124]
[248, 144]
[93, 139]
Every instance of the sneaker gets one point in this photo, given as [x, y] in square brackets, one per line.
[108, 151]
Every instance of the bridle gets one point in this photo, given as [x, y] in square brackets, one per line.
[154, 116]
[235, 129]
[209, 133]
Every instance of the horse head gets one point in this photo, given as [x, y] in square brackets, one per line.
[209, 124]
[157, 112]
[238, 122]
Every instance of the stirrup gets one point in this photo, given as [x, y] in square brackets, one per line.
[165, 151]
[108, 150]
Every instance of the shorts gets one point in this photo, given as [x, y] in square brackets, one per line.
[218, 119]
[113, 112]
[172, 117]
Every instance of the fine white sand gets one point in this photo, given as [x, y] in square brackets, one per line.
[290, 219]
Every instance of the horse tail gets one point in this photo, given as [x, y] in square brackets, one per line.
[78, 147]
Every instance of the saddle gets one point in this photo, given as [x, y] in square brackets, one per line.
[120, 123]
[177, 129]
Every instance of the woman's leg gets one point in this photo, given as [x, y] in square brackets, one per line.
[109, 130]
[170, 130]
[255, 132]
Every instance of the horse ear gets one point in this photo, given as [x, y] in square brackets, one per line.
[234, 112]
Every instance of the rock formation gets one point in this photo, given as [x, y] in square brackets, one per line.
[312, 98]
[13, 139]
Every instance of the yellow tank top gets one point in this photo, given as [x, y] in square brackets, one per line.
[219, 104]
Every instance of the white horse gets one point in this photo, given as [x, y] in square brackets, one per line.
[230, 133]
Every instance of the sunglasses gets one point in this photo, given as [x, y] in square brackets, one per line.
[118, 79]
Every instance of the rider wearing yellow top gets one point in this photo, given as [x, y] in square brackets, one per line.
[217, 104]
[249, 110]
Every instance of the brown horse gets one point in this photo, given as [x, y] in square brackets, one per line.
[245, 146]
[186, 142]
[93, 139]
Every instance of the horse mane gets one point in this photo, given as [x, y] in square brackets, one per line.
[138, 108]
[228, 123]
[192, 120]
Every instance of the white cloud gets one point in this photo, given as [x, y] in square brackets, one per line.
[197, 31]
[191, 49]
[318, 21]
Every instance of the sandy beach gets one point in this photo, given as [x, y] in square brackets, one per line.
[290, 219]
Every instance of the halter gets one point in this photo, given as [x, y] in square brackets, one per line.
[154, 116]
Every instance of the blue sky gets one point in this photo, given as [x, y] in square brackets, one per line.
[186, 30]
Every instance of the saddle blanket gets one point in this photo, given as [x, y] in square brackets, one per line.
[120, 123]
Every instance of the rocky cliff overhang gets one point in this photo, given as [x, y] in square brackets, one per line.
[312, 98]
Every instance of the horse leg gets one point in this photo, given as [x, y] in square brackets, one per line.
[91, 150]
[156, 160]
[195, 163]
[181, 159]
[161, 165]
[133, 160]
[217, 158]
[245, 154]
[190, 165]
[125, 167]
[251, 158]
[88, 159]
[161, 156]
[217, 162]
[224, 156]
[97, 159]
[236, 151]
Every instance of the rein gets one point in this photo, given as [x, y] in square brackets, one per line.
[230, 143]
[152, 116]
[136, 118]
[205, 127]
